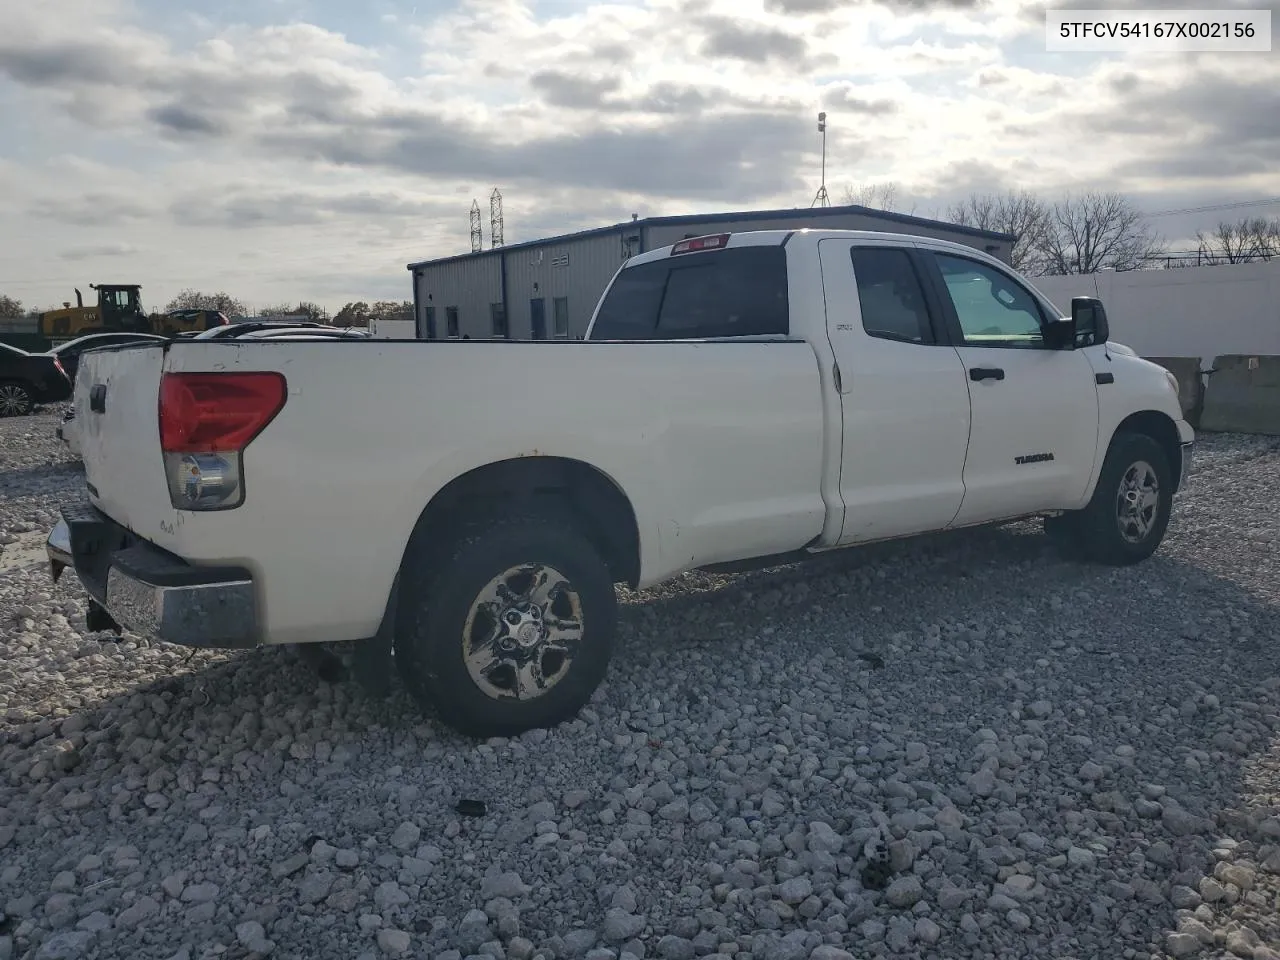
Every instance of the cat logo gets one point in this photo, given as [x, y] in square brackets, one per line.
[1033, 458]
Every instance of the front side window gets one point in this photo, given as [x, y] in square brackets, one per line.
[890, 295]
[993, 309]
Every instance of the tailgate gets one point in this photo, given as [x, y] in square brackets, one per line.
[117, 409]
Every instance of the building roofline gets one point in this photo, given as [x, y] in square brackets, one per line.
[526, 244]
[744, 215]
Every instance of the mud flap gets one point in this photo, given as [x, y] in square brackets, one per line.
[372, 664]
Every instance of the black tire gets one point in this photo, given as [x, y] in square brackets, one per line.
[15, 399]
[440, 588]
[1105, 531]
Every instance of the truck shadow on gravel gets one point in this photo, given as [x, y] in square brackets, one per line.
[1102, 729]
[37, 480]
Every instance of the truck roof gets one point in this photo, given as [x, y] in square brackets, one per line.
[765, 238]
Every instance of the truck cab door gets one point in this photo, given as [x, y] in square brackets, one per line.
[903, 397]
[1034, 434]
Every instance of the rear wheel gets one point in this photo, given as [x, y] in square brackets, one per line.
[1126, 519]
[509, 629]
[15, 399]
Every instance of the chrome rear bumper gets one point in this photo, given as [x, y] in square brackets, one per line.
[148, 591]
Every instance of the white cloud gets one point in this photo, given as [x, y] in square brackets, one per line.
[99, 252]
[274, 159]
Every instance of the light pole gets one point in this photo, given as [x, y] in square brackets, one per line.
[821, 199]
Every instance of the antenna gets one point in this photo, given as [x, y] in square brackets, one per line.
[495, 219]
[477, 236]
[820, 198]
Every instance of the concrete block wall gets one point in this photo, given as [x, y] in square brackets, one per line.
[1194, 312]
[1243, 395]
[1237, 393]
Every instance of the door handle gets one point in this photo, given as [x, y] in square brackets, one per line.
[986, 373]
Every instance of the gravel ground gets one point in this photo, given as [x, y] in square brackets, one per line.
[965, 747]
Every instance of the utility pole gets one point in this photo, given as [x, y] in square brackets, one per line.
[496, 238]
[477, 237]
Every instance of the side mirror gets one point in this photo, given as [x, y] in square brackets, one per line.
[1060, 333]
[1090, 318]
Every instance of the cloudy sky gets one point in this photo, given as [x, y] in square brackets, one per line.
[286, 149]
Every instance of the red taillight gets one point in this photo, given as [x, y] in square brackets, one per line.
[214, 412]
[62, 370]
[716, 241]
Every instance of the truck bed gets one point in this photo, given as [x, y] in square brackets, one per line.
[719, 445]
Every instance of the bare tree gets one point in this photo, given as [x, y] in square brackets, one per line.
[392, 309]
[10, 309]
[1020, 213]
[354, 314]
[1253, 238]
[1092, 231]
[878, 196]
[313, 311]
[195, 300]
[304, 308]
[1266, 235]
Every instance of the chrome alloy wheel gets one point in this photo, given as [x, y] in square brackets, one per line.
[1137, 501]
[522, 632]
[14, 400]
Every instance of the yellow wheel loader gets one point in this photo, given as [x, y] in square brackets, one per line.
[119, 308]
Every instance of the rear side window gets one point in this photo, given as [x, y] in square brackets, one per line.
[739, 292]
[890, 295]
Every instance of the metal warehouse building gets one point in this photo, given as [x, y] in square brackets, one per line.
[547, 289]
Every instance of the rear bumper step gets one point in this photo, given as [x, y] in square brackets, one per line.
[149, 591]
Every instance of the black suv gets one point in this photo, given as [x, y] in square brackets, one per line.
[30, 379]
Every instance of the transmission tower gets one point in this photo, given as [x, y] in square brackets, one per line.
[477, 236]
[495, 218]
[821, 199]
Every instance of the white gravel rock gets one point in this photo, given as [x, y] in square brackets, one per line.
[1042, 758]
[393, 943]
[1182, 945]
[406, 836]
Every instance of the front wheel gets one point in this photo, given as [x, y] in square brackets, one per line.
[15, 399]
[509, 630]
[1126, 519]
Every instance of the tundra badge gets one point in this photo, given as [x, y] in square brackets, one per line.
[1033, 458]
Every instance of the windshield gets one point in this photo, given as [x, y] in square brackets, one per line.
[127, 301]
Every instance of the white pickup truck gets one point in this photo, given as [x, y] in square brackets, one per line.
[466, 507]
